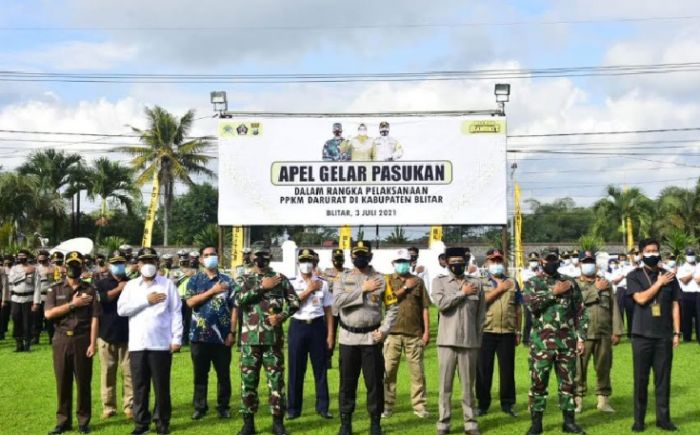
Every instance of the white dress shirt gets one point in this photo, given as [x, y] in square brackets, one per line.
[688, 270]
[151, 327]
[312, 307]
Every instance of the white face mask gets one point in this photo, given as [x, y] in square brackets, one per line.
[690, 258]
[362, 132]
[148, 270]
[567, 261]
[588, 269]
[306, 268]
[670, 264]
[574, 261]
[533, 265]
[637, 258]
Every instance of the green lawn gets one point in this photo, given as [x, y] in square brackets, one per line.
[27, 399]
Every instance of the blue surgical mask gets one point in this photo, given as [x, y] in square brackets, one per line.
[588, 269]
[496, 269]
[402, 268]
[118, 269]
[211, 262]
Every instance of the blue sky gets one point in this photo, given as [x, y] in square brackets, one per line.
[159, 36]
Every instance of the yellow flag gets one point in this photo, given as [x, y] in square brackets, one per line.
[435, 234]
[236, 247]
[151, 213]
[518, 234]
[345, 237]
[389, 296]
[630, 234]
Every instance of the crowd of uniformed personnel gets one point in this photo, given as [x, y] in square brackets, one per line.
[135, 309]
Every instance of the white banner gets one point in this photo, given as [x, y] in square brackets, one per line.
[418, 170]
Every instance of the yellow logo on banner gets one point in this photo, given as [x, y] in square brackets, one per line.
[345, 237]
[229, 129]
[151, 213]
[484, 127]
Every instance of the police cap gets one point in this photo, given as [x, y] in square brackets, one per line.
[74, 257]
[456, 252]
[589, 258]
[533, 256]
[57, 255]
[146, 253]
[338, 253]
[117, 257]
[305, 254]
[361, 247]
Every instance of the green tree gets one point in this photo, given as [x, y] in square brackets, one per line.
[20, 195]
[677, 240]
[196, 208]
[79, 179]
[207, 236]
[561, 221]
[679, 210]
[612, 211]
[397, 236]
[111, 180]
[590, 243]
[168, 152]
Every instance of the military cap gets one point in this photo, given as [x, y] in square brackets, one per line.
[146, 253]
[492, 254]
[338, 253]
[167, 257]
[575, 253]
[264, 252]
[361, 247]
[194, 254]
[42, 252]
[127, 249]
[383, 124]
[74, 257]
[551, 252]
[57, 255]
[634, 251]
[533, 256]
[456, 252]
[565, 255]
[247, 251]
[337, 126]
[117, 257]
[588, 259]
[305, 254]
[101, 256]
[690, 251]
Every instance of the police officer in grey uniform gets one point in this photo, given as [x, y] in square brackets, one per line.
[25, 298]
[358, 297]
[44, 279]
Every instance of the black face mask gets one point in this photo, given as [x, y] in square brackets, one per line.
[100, 263]
[361, 261]
[338, 262]
[22, 260]
[74, 271]
[550, 268]
[414, 258]
[194, 264]
[262, 262]
[651, 261]
[457, 268]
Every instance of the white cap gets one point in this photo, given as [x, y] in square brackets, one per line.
[402, 254]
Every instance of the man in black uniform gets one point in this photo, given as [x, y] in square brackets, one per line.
[655, 332]
[74, 308]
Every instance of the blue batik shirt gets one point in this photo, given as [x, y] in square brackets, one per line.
[211, 321]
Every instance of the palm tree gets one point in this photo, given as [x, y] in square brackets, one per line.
[677, 241]
[19, 198]
[79, 178]
[168, 152]
[612, 212]
[680, 209]
[111, 180]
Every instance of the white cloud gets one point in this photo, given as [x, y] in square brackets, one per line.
[74, 56]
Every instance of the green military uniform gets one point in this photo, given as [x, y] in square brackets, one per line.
[262, 343]
[557, 323]
[604, 320]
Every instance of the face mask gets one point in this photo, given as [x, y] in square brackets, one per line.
[211, 262]
[670, 264]
[533, 265]
[457, 268]
[625, 263]
[402, 268]
[637, 258]
[306, 268]
[100, 263]
[651, 259]
[550, 268]
[361, 261]
[338, 263]
[194, 264]
[362, 132]
[588, 269]
[567, 261]
[613, 266]
[148, 270]
[74, 271]
[496, 269]
[262, 262]
[22, 260]
[118, 269]
[384, 132]
[574, 261]
[690, 258]
[414, 257]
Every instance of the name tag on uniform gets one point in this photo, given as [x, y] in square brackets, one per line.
[474, 297]
[60, 297]
[316, 301]
[656, 310]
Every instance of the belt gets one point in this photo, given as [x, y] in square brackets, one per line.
[72, 333]
[307, 321]
[590, 304]
[21, 294]
[362, 330]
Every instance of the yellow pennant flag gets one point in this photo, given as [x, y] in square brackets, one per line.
[236, 247]
[151, 212]
[518, 234]
[435, 234]
[345, 237]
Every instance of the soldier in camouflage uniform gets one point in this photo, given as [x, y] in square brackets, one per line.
[336, 149]
[559, 324]
[266, 300]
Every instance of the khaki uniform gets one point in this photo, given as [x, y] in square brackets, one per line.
[70, 344]
[459, 339]
[604, 320]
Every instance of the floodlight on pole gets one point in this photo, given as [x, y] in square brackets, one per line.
[219, 101]
[502, 93]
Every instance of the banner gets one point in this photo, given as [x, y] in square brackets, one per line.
[236, 247]
[151, 212]
[412, 170]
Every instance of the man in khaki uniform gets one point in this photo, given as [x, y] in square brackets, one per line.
[410, 334]
[604, 331]
[332, 274]
[462, 306]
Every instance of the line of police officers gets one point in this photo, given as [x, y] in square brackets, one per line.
[573, 319]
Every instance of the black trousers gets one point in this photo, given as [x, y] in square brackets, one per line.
[648, 354]
[186, 320]
[503, 346]
[204, 355]
[41, 323]
[22, 317]
[307, 340]
[626, 308]
[5, 311]
[370, 361]
[147, 366]
[690, 316]
[69, 361]
[527, 327]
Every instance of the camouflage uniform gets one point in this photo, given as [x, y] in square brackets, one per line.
[261, 343]
[557, 323]
[336, 149]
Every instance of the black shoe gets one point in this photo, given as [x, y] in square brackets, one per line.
[293, 416]
[198, 414]
[569, 425]
[480, 412]
[375, 426]
[163, 429]
[345, 424]
[248, 425]
[325, 414]
[278, 425]
[536, 425]
[83, 428]
[510, 410]
[667, 426]
[59, 429]
[224, 413]
[139, 430]
[19, 346]
[638, 427]
[27, 345]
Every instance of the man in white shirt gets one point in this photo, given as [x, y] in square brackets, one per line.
[311, 335]
[152, 304]
[688, 275]
[419, 270]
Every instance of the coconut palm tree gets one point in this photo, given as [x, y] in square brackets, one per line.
[168, 152]
[680, 209]
[19, 198]
[79, 178]
[111, 180]
[616, 207]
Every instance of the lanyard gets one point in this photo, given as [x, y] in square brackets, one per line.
[650, 284]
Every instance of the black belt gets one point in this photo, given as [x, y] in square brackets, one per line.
[72, 333]
[309, 321]
[590, 304]
[363, 330]
[21, 294]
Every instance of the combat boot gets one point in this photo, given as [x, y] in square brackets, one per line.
[604, 404]
[375, 427]
[248, 425]
[536, 425]
[278, 425]
[345, 424]
[569, 425]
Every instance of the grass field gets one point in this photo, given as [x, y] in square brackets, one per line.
[28, 402]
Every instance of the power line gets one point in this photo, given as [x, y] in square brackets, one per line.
[610, 132]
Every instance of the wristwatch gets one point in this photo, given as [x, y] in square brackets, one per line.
[676, 334]
[71, 306]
